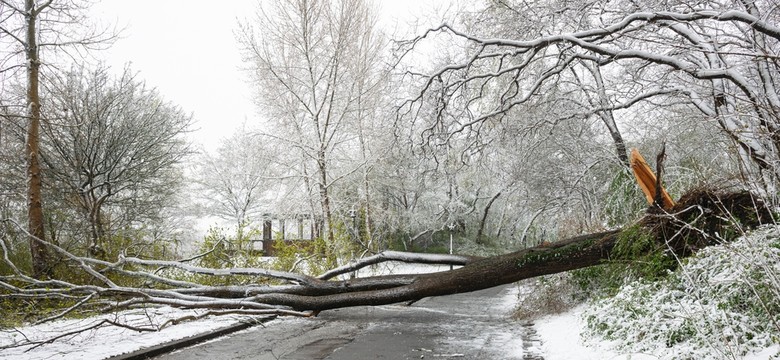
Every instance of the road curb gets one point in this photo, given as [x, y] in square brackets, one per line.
[157, 350]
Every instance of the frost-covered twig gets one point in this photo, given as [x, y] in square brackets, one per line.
[406, 257]
[38, 343]
[297, 278]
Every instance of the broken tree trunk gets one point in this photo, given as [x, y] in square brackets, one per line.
[694, 222]
[648, 181]
[574, 253]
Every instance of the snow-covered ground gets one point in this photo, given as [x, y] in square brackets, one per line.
[104, 340]
[720, 304]
[562, 340]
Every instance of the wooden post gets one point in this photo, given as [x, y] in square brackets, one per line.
[267, 238]
[647, 180]
[267, 230]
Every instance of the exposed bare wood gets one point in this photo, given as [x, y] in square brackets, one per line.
[647, 180]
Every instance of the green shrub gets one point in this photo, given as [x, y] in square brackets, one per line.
[636, 256]
[310, 257]
[624, 201]
[221, 250]
[642, 255]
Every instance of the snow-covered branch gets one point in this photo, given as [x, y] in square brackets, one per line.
[400, 256]
[642, 55]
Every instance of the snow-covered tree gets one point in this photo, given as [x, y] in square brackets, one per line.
[236, 180]
[611, 59]
[313, 64]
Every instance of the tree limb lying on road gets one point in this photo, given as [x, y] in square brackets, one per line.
[694, 222]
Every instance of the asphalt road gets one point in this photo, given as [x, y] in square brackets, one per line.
[465, 326]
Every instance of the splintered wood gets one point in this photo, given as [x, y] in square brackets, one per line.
[647, 180]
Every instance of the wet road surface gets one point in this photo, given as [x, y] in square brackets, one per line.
[475, 325]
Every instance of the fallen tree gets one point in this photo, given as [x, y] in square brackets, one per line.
[699, 219]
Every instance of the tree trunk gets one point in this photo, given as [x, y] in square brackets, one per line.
[35, 221]
[602, 107]
[682, 233]
[483, 221]
[574, 253]
[98, 232]
[325, 197]
[694, 222]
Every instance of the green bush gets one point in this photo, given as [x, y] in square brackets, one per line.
[220, 250]
[310, 257]
[636, 256]
[624, 200]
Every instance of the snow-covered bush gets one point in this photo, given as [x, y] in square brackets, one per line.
[722, 303]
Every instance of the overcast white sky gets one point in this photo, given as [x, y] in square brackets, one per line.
[187, 49]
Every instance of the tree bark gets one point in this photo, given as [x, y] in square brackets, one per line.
[574, 253]
[35, 221]
[325, 197]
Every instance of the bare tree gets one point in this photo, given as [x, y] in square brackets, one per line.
[112, 145]
[310, 60]
[30, 28]
[696, 221]
[371, 84]
[236, 179]
[583, 87]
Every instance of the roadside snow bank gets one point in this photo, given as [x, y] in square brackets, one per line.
[104, 340]
[722, 303]
[561, 340]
